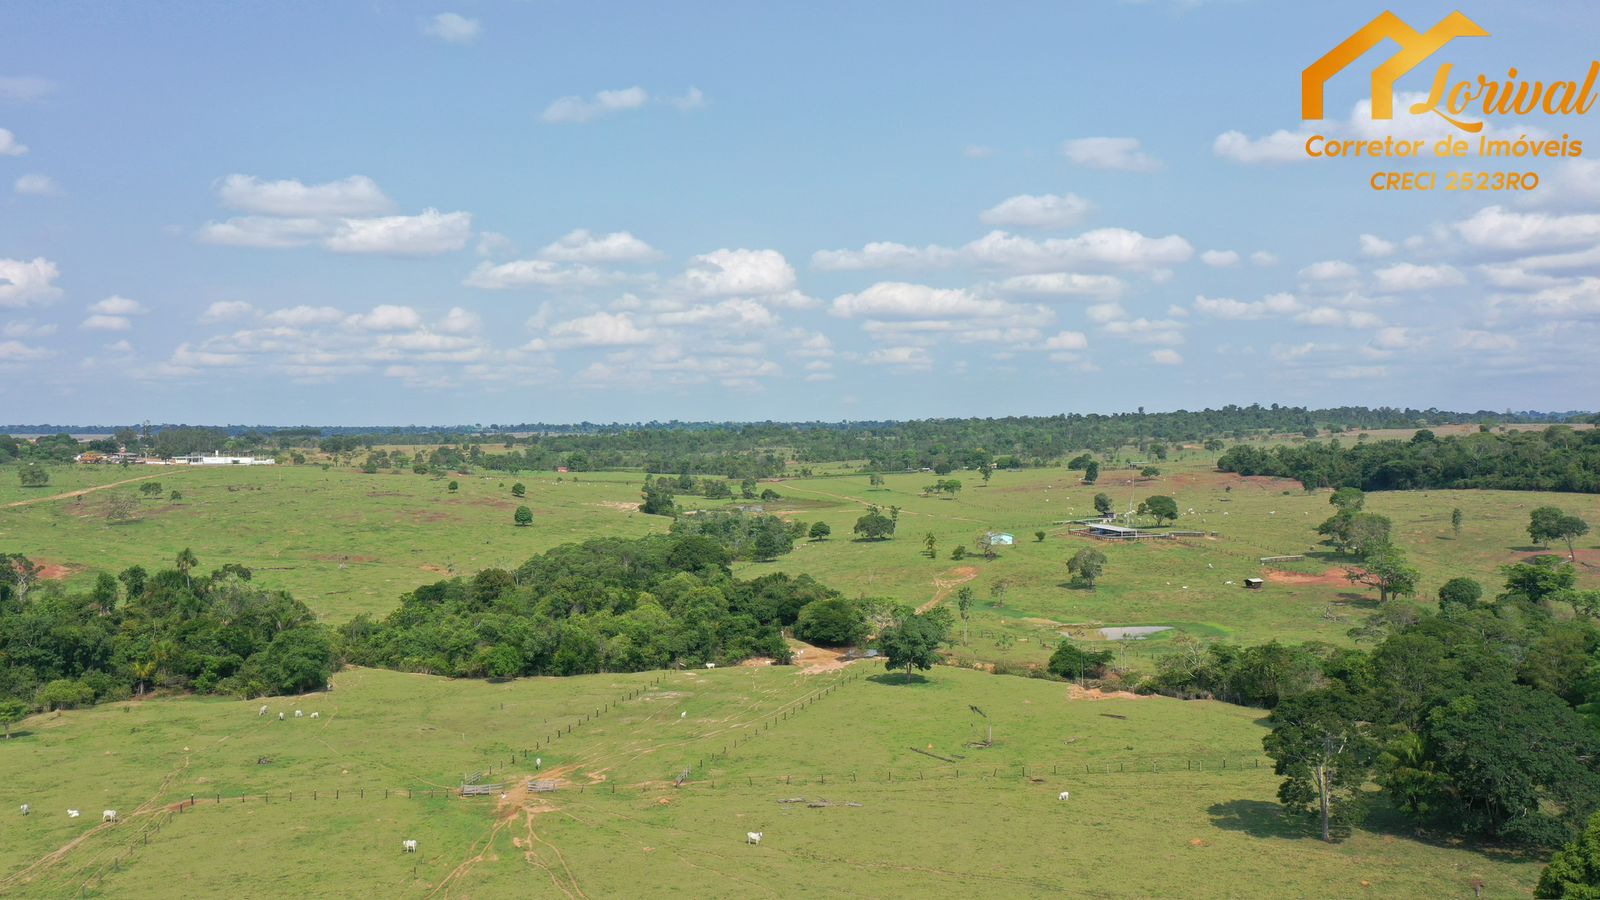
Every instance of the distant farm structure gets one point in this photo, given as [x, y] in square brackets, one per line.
[1105, 531]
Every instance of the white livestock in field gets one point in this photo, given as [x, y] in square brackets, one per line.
[280, 717]
[262, 711]
[298, 714]
[753, 837]
[316, 715]
[109, 815]
[1064, 795]
[72, 814]
[409, 846]
[26, 809]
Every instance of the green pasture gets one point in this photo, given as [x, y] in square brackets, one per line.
[1152, 810]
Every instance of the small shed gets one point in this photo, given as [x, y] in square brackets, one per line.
[1253, 584]
[1001, 539]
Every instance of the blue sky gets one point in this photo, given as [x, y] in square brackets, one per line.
[500, 212]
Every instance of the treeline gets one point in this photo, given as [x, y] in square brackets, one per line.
[608, 605]
[172, 628]
[1480, 720]
[1557, 458]
[759, 449]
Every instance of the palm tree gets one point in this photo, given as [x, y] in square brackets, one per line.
[142, 673]
[187, 561]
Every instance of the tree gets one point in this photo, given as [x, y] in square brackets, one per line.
[1161, 508]
[1038, 537]
[914, 640]
[1455, 521]
[930, 544]
[1348, 500]
[964, 599]
[1460, 593]
[987, 474]
[1387, 570]
[1068, 661]
[1356, 534]
[186, 560]
[1575, 870]
[1102, 504]
[64, 693]
[175, 496]
[1539, 578]
[1087, 565]
[33, 475]
[874, 526]
[1149, 472]
[1543, 525]
[658, 499]
[831, 622]
[523, 517]
[1569, 529]
[1319, 743]
[768, 495]
[12, 712]
[959, 552]
[519, 490]
[875, 480]
[820, 531]
[121, 507]
[150, 488]
[984, 543]
[1091, 472]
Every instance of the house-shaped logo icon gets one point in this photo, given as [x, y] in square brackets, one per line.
[1414, 48]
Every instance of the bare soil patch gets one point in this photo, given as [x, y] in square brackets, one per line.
[1328, 577]
[619, 506]
[951, 580]
[1074, 692]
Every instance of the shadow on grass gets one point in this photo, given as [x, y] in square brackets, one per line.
[1264, 819]
[897, 679]
[1259, 818]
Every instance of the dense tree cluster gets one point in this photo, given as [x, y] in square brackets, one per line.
[744, 535]
[1482, 719]
[609, 605]
[1555, 459]
[140, 630]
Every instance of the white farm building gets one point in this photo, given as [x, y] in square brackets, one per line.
[217, 459]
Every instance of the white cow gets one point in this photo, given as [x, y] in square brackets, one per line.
[753, 837]
[72, 814]
[315, 715]
[298, 714]
[538, 762]
[1064, 795]
[262, 711]
[109, 815]
[280, 717]
[683, 715]
[26, 809]
[410, 846]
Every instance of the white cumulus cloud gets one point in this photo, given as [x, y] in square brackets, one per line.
[575, 109]
[452, 28]
[1114, 153]
[428, 233]
[1037, 211]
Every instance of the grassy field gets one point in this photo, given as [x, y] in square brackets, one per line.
[347, 543]
[1152, 812]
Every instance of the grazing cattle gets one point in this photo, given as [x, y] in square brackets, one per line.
[753, 837]
[315, 715]
[683, 715]
[26, 809]
[538, 762]
[262, 711]
[72, 814]
[1064, 795]
[109, 815]
[298, 714]
[410, 846]
[280, 717]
